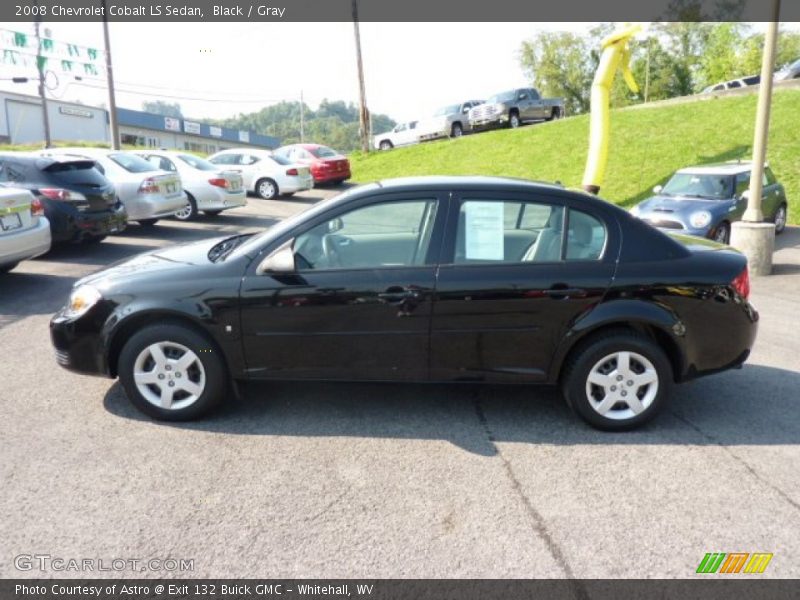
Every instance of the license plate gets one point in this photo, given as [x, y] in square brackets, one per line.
[10, 222]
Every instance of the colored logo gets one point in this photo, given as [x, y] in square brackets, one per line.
[734, 562]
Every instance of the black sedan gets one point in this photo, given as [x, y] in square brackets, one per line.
[431, 279]
[80, 203]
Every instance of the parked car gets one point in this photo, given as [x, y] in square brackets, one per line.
[791, 71]
[515, 107]
[207, 188]
[264, 173]
[148, 193]
[447, 121]
[326, 164]
[435, 279]
[402, 134]
[24, 230]
[79, 203]
[733, 84]
[705, 200]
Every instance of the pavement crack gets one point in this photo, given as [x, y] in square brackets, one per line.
[738, 459]
[537, 520]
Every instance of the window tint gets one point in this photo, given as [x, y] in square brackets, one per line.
[586, 236]
[390, 234]
[248, 159]
[323, 152]
[742, 183]
[508, 232]
[11, 172]
[225, 159]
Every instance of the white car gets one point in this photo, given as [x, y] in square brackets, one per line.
[264, 173]
[208, 188]
[24, 230]
[403, 134]
[148, 193]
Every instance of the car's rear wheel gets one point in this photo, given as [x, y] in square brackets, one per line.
[617, 381]
[722, 234]
[266, 188]
[513, 120]
[456, 130]
[147, 222]
[189, 211]
[172, 373]
[780, 219]
[386, 145]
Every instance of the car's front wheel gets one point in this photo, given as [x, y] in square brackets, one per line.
[386, 145]
[456, 130]
[722, 234]
[513, 120]
[617, 381]
[780, 219]
[172, 373]
[189, 210]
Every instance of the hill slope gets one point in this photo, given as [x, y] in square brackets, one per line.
[647, 145]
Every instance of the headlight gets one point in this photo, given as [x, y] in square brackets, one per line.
[81, 300]
[699, 219]
[635, 211]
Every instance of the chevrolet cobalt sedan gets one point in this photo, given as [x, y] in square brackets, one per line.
[426, 279]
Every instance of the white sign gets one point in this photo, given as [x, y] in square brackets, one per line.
[191, 127]
[484, 230]
[244, 136]
[75, 112]
[172, 124]
[215, 131]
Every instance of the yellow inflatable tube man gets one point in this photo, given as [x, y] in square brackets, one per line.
[615, 54]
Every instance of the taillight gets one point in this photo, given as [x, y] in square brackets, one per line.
[149, 186]
[292, 172]
[56, 193]
[219, 182]
[37, 210]
[742, 283]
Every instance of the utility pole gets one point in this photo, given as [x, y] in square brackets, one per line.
[363, 113]
[40, 70]
[647, 72]
[113, 126]
[751, 235]
[302, 118]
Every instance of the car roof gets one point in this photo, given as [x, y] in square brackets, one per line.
[719, 168]
[466, 181]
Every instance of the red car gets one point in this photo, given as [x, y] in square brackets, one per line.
[327, 165]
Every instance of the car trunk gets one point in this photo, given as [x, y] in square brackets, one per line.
[169, 185]
[15, 211]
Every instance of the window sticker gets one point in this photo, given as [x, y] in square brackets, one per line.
[484, 230]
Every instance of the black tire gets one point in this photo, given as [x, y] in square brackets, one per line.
[212, 213]
[456, 130]
[780, 224]
[555, 113]
[588, 355]
[514, 120]
[94, 239]
[288, 194]
[266, 188]
[7, 268]
[722, 233]
[189, 213]
[147, 222]
[213, 392]
[386, 145]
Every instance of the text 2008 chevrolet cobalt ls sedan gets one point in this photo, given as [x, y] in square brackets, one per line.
[434, 279]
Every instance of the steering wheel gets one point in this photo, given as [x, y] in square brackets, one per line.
[331, 252]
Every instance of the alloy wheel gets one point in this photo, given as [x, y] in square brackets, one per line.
[780, 219]
[267, 189]
[622, 385]
[169, 375]
[185, 213]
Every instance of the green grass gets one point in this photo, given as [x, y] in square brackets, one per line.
[647, 146]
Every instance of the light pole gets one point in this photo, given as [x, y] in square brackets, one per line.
[363, 114]
[751, 235]
[40, 71]
[113, 126]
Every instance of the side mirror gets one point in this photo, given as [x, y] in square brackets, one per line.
[280, 260]
[657, 189]
[465, 110]
[335, 225]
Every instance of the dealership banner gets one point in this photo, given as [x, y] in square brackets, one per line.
[396, 589]
[444, 11]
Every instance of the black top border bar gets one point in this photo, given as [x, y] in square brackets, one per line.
[440, 11]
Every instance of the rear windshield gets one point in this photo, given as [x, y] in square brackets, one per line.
[79, 172]
[280, 159]
[132, 163]
[323, 152]
[198, 163]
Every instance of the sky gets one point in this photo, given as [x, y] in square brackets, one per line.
[221, 69]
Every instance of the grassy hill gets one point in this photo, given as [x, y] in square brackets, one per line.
[647, 145]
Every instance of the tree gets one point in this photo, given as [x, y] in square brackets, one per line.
[160, 107]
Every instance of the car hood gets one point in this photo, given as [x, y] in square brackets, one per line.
[681, 206]
[181, 257]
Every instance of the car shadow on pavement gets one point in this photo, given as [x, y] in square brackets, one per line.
[756, 405]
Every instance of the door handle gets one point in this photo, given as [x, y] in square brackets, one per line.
[561, 291]
[397, 294]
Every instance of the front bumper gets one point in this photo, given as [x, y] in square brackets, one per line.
[29, 243]
[79, 343]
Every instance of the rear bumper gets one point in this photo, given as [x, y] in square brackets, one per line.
[296, 184]
[70, 225]
[29, 243]
[327, 176]
[219, 199]
[153, 206]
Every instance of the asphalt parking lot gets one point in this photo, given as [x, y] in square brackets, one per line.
[375, 480]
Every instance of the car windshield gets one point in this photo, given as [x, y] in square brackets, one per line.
[447, 110]
[132, 163]
[198, 163]
[323, 152]
[696, 185]
[502, 97]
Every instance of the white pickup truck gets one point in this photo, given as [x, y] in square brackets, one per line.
[403, 134]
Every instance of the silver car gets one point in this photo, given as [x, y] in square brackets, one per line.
[24, 230]
[447, 121]
[147, 192]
